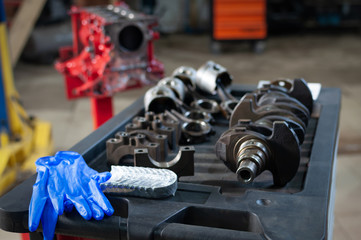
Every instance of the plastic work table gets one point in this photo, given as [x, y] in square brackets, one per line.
[212, 204]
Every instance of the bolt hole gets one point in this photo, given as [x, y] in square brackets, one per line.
[245, 174]
[140, 151]
[186, 148]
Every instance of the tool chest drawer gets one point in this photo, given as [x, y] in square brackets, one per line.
[236, 20]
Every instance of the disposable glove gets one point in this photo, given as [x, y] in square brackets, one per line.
[65, 181]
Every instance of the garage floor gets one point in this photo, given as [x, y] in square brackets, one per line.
[333, 60]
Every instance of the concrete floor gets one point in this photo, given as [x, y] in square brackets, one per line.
[333, 60]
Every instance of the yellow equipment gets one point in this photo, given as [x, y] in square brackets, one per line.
[22, 139]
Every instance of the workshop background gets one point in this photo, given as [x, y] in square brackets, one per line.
[319, 41]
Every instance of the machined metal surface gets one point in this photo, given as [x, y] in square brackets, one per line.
[159, 98]
[248, 152]
[176, 85]
[193, 129]
[151, 152]
[182, 164]
[206, 105]
[296, 88]
[213, 78]
[210, 75]
[187, 75]
[266, 130]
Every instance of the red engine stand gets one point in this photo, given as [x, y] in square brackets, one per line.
[102, 110]
[112, 52]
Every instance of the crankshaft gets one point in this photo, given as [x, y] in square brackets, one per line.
[266, 130]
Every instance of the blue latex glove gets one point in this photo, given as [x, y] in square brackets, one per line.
[65, 181]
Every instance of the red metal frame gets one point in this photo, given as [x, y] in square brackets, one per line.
[86, 64]
[102, 110]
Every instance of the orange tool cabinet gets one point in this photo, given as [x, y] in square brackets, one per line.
[238, 20]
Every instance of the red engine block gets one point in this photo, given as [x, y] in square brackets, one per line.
[112, 52]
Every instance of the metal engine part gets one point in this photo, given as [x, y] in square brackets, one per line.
[266, 130]
[162, 124]
[206, 105]
[187, 75]
[248, 108]
[277, 103]
[228, 101]
[147, 151]
[176, 85]
[183, 84]
[213, 79]
[149, 140]
[124, 144]
[249, 149]
[199, 115]
[296, 88]
[168, 96]
[160, 98]
[227, 107]
[182, 164]
[210, 75]
[195, 125]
